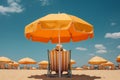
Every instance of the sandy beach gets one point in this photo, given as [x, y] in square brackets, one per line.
[76, 75]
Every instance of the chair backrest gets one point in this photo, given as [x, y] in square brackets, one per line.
[54, 60]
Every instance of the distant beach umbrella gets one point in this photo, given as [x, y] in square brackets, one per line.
[78, 68]
[72, 61]
[96, 60]
[14, 64]
[5, 59]
[43, 64]
[27, 60]
[118, 58]
[108, 64]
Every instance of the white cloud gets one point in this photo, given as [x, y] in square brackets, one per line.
[81, 48]
[13, 7]
[118, 46]
[44, 2]
[101, 51]
[100, 46]
[115, 35]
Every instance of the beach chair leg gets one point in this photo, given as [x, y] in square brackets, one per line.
[69, 73]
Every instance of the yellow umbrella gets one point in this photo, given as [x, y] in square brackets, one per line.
[5, 59]
[59, 28]
[27, 60]
[72, 61]
[97, 60]
[107, 64]
[14, 64]
[118, 58]
[43, 64]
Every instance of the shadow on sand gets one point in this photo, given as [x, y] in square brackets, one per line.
[74, 77]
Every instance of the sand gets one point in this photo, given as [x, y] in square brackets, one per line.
[76, 75]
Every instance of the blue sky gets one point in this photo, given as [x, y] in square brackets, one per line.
[104, 15]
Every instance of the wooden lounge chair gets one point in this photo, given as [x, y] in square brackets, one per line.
[53, 62]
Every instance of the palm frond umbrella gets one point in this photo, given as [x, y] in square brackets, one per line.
[27, 61]
[59, 28]
[43, 64]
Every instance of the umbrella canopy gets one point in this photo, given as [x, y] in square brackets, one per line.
[70, 27]
[72, 61]
[107, 64]
[5, 59]
[43, 63]
[97, 60]
[27, 60]
[118, 58]
[14, 63]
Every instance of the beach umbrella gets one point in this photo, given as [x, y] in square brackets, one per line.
[5, 59]
[118, 58]
[107, 64]
[110, 64]
[26, 61]
[72, 61]
[96, 60]
[14, 64]
[43, 64]
[59, 28]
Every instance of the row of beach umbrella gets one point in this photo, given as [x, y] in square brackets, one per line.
[26, 61]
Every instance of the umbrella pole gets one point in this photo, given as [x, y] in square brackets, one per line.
[59, 55]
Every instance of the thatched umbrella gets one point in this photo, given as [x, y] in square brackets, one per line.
[26, 61]
[43, 64]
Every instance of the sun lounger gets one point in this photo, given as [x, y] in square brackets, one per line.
[53, 62]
